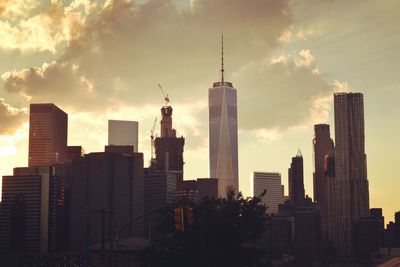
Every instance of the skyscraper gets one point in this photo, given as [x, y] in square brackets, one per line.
[48, 127]
[271, 182]
[32, 217]
[223, 140]
[122, 133]
[296, 180]
[350, 168]
[108, 181]
[322, 146]
[168, 147]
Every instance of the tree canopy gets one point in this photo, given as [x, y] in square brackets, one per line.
[225, 232]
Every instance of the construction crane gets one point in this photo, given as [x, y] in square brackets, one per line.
[166, 98]
[152, 140]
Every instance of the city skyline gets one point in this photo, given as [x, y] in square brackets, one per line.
[276, 113]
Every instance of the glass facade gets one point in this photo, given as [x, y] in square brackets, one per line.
[223, 140]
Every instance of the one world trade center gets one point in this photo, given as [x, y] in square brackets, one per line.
[223, 133]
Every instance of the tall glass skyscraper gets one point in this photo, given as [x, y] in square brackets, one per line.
[48, 128]
[223, 140]
[350, 168]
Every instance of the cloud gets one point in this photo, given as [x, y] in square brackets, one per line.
[45, 84]
[128, 48]
[23, 29]
[278, 91]
[11, 118]
[118, 57]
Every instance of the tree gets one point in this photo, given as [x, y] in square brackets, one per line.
[225, 232]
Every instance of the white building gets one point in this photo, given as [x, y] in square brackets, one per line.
[123, 133]
[271, 182]
[223, 134]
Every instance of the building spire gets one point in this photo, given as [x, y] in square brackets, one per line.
[222, 59]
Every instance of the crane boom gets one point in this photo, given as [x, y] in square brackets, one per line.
[166, 98]
[152, 140]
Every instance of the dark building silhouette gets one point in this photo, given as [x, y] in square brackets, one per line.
[279, 236]
[307, 240]
[296, 180]
[48, 127]
[352, 196]
[187, 190]
[207, 187]
[327, 206]
[168, 147]
[397, 227]
[377, 214]
[32, 211]
[159, 189]
[74, 152]
[322, 146]
[196, 190]
[109, 182]
[125, 149]
[367, 237]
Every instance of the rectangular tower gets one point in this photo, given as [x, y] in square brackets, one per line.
[323, 148]
[296, 180]
[48, 127]
[123, 133]
[223, 134]
[350, 168]
[271, 182]
[32, 217]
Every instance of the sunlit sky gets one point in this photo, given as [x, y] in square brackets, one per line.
[100, 60]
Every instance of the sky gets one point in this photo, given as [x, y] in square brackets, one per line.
[100, 60]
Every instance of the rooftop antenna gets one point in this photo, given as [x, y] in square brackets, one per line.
[222, 59]
[299, 153]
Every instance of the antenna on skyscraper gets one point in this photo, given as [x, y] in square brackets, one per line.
[222, 59]
[299, 153]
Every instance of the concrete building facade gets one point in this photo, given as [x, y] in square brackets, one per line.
[123, 133]
[272, 183]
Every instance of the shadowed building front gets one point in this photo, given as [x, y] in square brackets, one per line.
[48, 127]
[350, 168]
[223, 140]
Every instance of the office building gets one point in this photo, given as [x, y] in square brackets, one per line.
[279, 236]
[271, 183]
[307, 241]
[168, 147]
[74, 152]
[122, 133]
[110, 182]
[367, 237]
[48, 127]
[296, 180]
[350, 168]
[223, 134]
[196, 190]
[322, 146]
[32, 219]
[328, 207]
[159, 189]
[207, 187]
